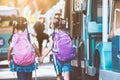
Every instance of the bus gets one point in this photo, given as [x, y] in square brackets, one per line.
[7, 15]
[95, 28]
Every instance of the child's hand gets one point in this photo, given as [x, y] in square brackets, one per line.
[9, 63]
[40, 60]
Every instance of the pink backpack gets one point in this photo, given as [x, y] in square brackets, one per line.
[23, 53]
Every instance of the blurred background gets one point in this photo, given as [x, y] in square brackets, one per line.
[41, 6]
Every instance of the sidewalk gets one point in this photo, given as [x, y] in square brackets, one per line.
[45, 71]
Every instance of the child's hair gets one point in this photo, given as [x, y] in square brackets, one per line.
[20, 23]
[59, 23]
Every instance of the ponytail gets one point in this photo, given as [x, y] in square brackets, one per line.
[10, 39]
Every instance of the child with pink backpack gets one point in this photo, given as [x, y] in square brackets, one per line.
[22, 50]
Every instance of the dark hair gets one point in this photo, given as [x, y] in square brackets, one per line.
[20, 23]
[59, 23]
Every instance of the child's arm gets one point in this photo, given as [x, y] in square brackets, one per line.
[32, 40]
[47, 51]
[9, 55]
[36, 50]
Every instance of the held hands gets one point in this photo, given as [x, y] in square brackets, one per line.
[40, 59]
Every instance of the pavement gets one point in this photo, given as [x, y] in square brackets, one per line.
[45, 71]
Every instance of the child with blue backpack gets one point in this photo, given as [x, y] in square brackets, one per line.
[63, 52]
[22, 50]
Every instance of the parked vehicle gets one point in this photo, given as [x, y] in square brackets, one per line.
[95, 31]
[7, 14]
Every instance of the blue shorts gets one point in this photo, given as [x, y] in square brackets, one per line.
[60, 66]
[29, 68]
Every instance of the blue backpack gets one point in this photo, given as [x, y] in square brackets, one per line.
[63, 48]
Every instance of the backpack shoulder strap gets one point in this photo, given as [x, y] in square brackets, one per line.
[68, 34]
[53, 35]
[28, 35]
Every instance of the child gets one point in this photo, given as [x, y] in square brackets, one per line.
[24, 72]
[59, 26]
